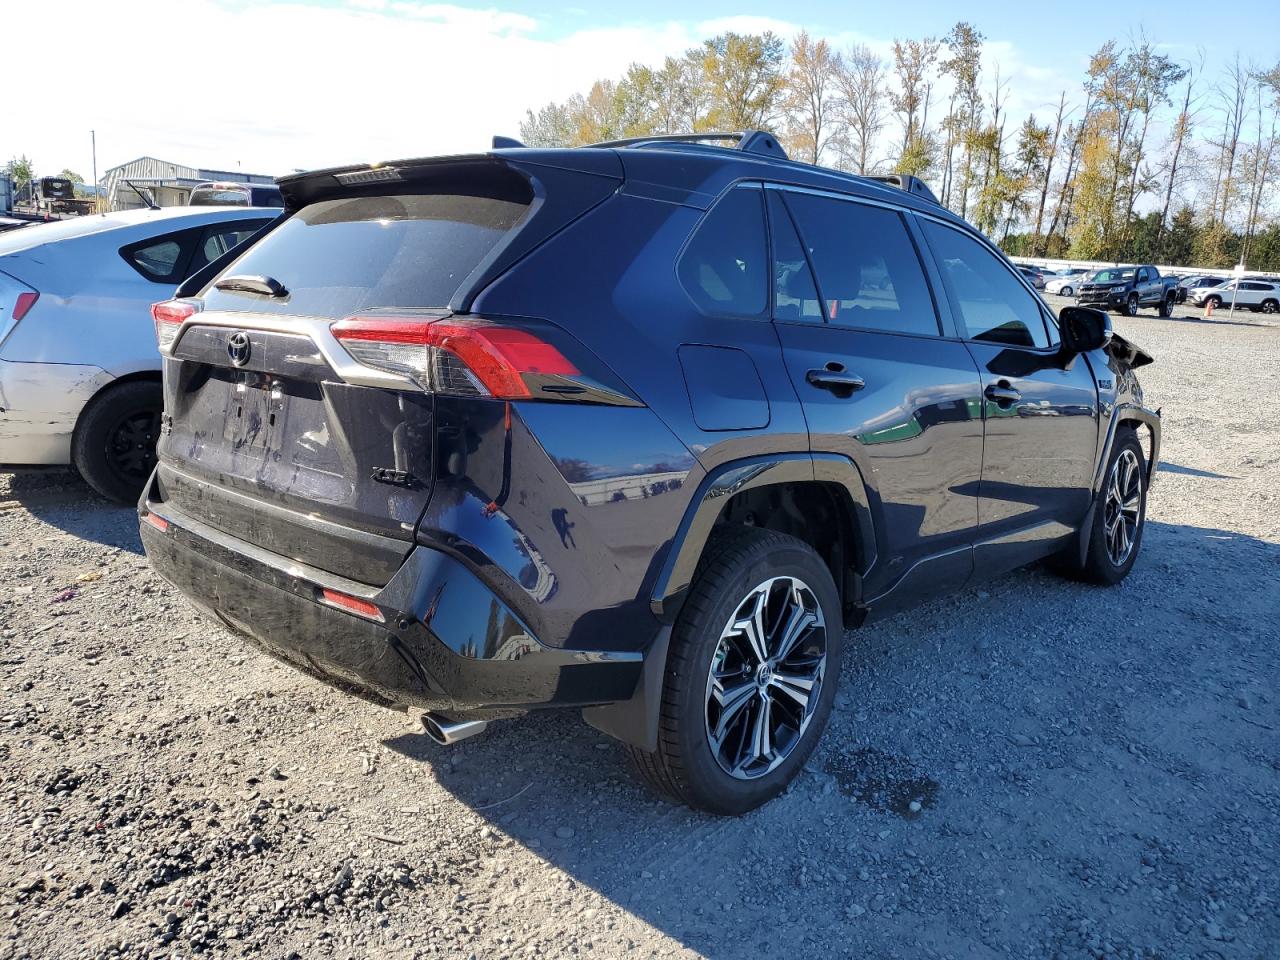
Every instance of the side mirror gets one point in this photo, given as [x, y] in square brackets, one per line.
[1083, 329]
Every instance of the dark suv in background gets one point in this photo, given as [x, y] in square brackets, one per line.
[638, 428]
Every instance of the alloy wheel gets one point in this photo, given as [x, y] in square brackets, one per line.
[1131, 306]
[765, 677]
[1269, 307]
[1123, 508]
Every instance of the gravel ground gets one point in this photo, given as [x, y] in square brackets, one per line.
[1033, 769]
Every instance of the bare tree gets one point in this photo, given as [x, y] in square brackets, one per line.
[1233, 94]
[811, 96]
[1178, 146]
[1259, 160]
[860, 83]
[912, 61]
[1051, 154]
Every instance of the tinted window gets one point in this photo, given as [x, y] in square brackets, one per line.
[338, 257]
[991, 302]
[158, 260]
[209, 197]
[266, 197]
[868, 273]
[220, 239]
[794, 295]
[723, 267]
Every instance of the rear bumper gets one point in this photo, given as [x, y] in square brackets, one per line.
[445, 642]
[39, 406]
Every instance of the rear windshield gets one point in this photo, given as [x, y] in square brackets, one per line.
[339, 257]
[220, 198]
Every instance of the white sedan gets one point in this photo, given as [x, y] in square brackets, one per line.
[1065, 283]
[79, 368]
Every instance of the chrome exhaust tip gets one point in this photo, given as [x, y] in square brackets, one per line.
[446, 732]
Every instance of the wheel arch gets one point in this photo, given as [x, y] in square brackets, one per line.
[821, 499]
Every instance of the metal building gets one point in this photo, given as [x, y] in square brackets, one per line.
[168, 184]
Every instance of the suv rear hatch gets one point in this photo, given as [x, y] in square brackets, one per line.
[322, 449]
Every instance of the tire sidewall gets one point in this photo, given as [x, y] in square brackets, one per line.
[1131, 305]
[706, 779]
[1100, 560]
[94, 427]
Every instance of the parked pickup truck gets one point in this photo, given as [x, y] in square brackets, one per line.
[1129, 289]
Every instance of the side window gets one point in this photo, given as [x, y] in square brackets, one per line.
[161, 259]
[221, 238]
[868, 272]
[724, 267]
[991, 303]
[1143, 275]
[795, 297]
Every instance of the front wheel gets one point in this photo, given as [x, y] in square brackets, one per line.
[751, 673]
[1131, 306]
[114, 444]
[1118, 517]
[1270, 306]
[1214, 302]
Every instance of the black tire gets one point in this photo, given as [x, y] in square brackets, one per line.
[686, 766]
[1100, 563]
[1270, 306]
[1215, 302]
[1131, 306]
[114, 444]
[1166, 306]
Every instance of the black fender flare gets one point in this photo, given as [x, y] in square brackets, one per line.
[735, 476]
[635, 721]
[1121, 414]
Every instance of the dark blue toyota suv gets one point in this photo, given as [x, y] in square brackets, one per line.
[640, 428]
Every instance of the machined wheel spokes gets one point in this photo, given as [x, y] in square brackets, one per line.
[765, 677]
[1123, 508]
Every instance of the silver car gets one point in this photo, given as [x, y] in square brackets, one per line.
[79, 368]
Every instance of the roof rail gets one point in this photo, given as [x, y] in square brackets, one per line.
[749, 141]
[907, 183]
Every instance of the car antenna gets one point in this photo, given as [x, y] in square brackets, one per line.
[151, 204]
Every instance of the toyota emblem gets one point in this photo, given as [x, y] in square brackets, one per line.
[238, 348]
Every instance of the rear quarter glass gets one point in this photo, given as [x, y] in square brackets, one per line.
[344, 256]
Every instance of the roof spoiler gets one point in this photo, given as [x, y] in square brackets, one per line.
[908, 183]
[748, 141]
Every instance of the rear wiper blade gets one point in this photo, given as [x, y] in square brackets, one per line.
[267, 286]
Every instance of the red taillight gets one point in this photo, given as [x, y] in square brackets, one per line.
[160, 523]
[23, 303]
[168, 316]
[494, 358]
[344, 601]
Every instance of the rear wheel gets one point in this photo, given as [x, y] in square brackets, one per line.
[1067, 292]
[1166, 306]
[751, 674]
[114, 444]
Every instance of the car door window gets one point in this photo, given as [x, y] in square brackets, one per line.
[724, 266]
[991, 303]
[221, 238]
[868, 272]
[795, 296]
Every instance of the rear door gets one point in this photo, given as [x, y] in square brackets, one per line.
[881, 380]
[1040, 413]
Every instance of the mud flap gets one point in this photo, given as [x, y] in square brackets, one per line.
[635, 721]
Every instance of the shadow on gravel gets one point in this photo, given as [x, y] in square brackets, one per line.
[58, 497]
[565, 792]
[1166, 467]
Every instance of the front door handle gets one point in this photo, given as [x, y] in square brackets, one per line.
[1002, 394]
[836, 378]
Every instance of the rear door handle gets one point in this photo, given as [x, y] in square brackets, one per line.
[837, 381]
[1002, 394]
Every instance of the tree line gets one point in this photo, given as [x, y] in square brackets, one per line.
[1150, 159]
